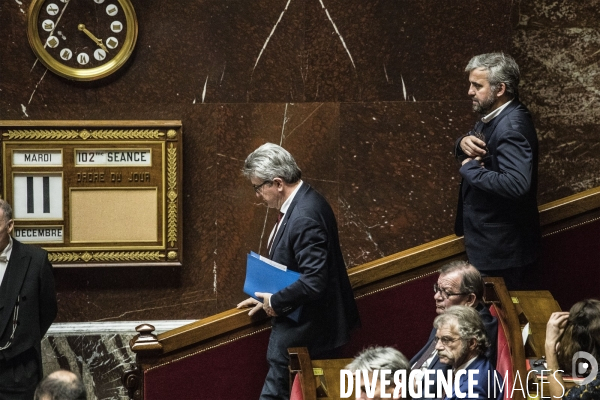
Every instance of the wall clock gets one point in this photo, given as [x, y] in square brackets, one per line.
[82, 40]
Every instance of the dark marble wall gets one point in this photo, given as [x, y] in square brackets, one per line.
[558, 44]
[368, 95]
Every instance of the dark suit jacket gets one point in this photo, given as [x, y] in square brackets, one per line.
[484, 370]
[28, 277]
[307, 242]
[491, 328]
[497, 211]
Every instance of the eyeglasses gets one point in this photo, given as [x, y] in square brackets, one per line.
[257, 187]
[446, 340]
[444, 293]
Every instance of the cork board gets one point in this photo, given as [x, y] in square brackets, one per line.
[114, 215]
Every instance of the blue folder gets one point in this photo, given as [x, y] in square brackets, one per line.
[264, 278]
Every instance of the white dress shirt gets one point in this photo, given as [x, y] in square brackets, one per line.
[495, 113]
[283, 210]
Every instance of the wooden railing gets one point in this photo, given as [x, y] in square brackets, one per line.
[417, 257]
[151, 349]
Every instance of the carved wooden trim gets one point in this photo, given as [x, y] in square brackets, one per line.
[146, 340]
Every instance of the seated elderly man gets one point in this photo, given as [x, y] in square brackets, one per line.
[461, 343]
[379, 359]
[459, 283]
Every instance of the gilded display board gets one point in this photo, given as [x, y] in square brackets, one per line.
[96, 193]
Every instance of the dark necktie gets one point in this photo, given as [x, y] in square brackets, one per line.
[279, 217]
[426, 354]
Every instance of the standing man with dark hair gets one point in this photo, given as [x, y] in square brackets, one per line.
[27, 309]
[497, 210]
[305, 239]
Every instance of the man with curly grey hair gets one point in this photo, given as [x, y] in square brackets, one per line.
[497, 209]
[461, 342]
[317, 311]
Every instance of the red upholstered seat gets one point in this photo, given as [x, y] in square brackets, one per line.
[504, 364]
[296, 393]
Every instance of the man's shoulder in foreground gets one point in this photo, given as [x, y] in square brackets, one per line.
[516, 116]
[308, 202]
[28, 249]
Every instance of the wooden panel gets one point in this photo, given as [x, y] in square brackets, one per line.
[536, 308]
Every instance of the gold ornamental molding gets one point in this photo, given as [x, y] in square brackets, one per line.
[84, 134]
[106, 256]
[172, 194]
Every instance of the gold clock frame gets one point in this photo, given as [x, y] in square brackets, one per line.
[82, 74]
[163, 138]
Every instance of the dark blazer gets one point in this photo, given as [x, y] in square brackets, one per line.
[497, 209]
[491, 327]
[28, 278]
[307, 242]
[485, 372]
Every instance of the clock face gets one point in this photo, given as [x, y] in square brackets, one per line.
[82, 39]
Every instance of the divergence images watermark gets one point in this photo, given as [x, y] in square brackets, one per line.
[418, 382]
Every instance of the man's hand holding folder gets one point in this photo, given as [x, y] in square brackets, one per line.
[263, 278]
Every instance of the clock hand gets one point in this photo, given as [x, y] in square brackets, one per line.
[82, 28]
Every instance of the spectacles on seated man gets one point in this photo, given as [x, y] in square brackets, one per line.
[444, 293]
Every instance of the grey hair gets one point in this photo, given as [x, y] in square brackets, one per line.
[377, 358]
[471, 280]
[7, 209]
[501, 68]
[61, 385]
[469, 325]
[271, 161]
